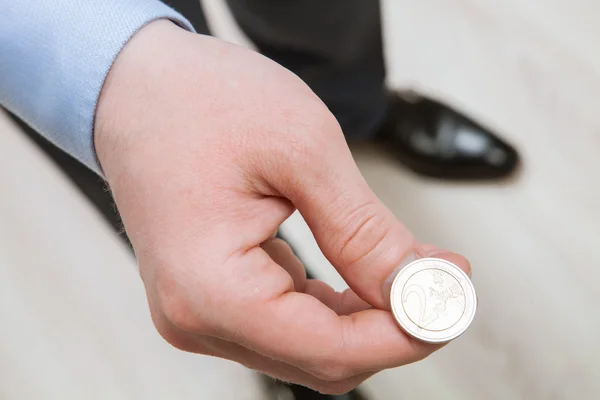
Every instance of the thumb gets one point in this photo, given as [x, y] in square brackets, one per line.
[357, 233]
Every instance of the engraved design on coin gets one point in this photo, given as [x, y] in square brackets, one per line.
[433, 300]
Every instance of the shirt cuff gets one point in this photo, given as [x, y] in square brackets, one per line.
[59, 53]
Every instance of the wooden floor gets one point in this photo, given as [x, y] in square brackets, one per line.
[73, 319]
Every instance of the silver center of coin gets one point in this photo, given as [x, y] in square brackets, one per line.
[433, 300]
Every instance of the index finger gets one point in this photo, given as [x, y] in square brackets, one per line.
[298, 329]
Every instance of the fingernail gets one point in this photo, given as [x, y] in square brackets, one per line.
[434, 252]
[449, 256]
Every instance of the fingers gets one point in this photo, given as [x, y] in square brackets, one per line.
[281, 253]
[344, 303]
[301, 330]
[429, 250]
[329, 346]
[280, 370]
[215, 347]
[259, 309]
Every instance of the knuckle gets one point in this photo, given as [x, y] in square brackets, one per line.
[332, 372]
[178, 309]
[334, 388]
[363, 229]
[170, 333]
[336, 367]
[172, 336]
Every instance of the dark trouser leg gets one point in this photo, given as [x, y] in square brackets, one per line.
[335, 46]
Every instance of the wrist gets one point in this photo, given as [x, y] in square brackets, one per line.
[124, 94]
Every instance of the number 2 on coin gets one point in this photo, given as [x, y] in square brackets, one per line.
[418, 290]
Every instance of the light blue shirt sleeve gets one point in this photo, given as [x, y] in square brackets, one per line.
[55, 55]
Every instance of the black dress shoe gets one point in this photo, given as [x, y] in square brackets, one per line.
[436, 141]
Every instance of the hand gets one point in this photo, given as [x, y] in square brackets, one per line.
[208, 148]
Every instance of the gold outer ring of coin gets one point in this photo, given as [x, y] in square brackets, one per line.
[433, 300]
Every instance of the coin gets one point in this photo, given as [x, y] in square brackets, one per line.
[433, 300]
